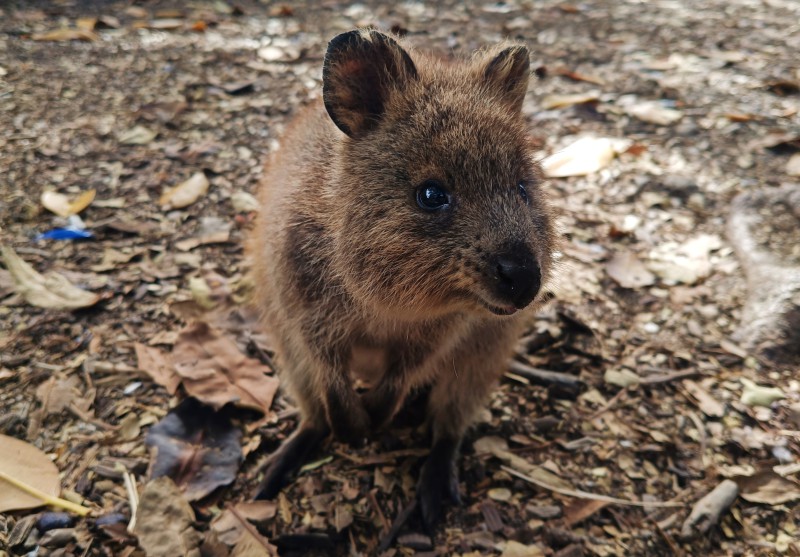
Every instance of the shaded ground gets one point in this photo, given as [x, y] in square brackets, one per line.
[659, 416]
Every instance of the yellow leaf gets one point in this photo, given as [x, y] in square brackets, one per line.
[52, 291]
[185, 193]
[61, 205]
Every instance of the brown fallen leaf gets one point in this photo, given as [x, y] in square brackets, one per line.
[164, 521]
[585, 156]
[628, 271]
[50, 291]
[185, 193]
[25, 463]
[710, 406]
[66, 34]
[253, 544]
[768, 488]
[551, 102]
[61, 205]
[157, 364]
[197, 447]
[581, 509]
[213, 370]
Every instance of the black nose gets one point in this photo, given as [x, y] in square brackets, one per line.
[517, 278]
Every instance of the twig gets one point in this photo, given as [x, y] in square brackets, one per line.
[586, 494]
[374, 502]
[608, 405]
[707, 511]
[667, 538]
[544, 377]
[44, 497]
[133, 498]
[249, 527]
[398, 524]
[668, 377]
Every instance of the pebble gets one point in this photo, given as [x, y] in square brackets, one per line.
[51, 520]
[544, 512]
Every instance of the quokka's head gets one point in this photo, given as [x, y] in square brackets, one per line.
[435, 183]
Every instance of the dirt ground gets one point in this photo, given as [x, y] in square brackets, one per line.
[701, 100]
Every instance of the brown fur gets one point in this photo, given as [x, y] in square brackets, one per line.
[356, 279]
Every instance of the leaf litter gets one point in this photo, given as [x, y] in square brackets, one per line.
[634, 429]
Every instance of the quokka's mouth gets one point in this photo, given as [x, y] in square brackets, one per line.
[500, 310]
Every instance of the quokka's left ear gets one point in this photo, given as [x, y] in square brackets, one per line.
[506, 70]
[361, 70]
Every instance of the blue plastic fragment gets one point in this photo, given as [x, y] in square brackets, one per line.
[68, 233]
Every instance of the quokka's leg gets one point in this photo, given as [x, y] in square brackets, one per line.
[290, 456]
[454, 401]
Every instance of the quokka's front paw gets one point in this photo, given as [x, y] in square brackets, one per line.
[438, 483]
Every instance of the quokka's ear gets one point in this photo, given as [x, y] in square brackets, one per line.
[507, 72]
[360, 71]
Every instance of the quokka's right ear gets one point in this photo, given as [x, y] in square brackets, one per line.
[361, 70]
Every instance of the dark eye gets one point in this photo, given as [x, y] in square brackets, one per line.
[523, 193]
[432, 196]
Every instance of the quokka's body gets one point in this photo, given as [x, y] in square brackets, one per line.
[403, 240]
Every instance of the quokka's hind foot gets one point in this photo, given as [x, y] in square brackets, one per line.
[438, 483]
[290, 456]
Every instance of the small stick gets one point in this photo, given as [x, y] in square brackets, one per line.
[621, 395]
[667, 377]
[374, 502]
[587, 495]
[44, 497]
[249, 527]
[133, 498]
[399, 522]
[544, 377]
[707, 511]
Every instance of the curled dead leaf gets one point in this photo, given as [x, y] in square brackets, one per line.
[51, 291]
[61, 205]
[185, 193]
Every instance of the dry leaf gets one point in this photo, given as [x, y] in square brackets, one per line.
[61, 205]
[158, 366]
[793, 165]
[581, 509]
[51, 291]
[185, 193]
[626, 269]
[768, 488]
[584, 156]
[515, 549]
[561, 101]
[654, 112]
[66, 34]
[138, 135]
[214, 370]
[710, 406]
[684, 263]
[759, 395]
[27, 464]
[197, 447]
[253, 545]
[164, 521]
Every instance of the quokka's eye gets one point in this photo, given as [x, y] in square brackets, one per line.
[523, 193]
[432, 196]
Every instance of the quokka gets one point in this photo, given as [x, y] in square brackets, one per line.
[404, 240]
